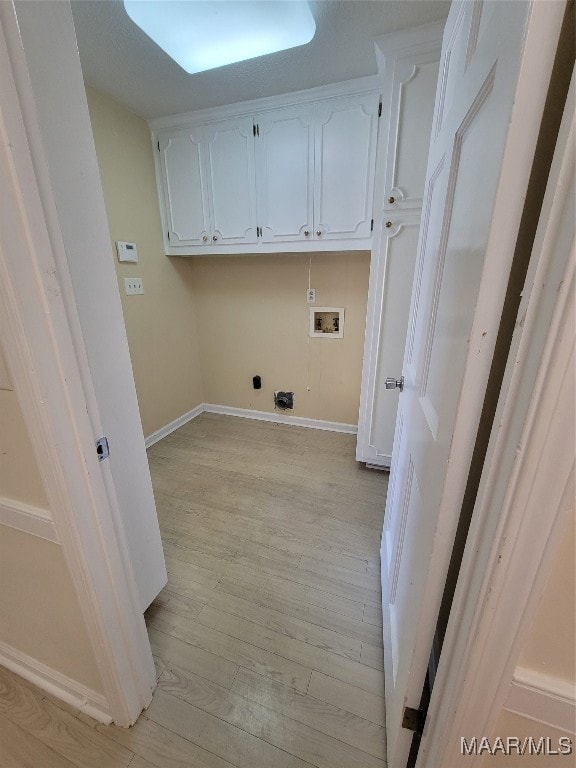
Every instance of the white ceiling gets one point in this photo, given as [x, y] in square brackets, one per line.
[119, 59]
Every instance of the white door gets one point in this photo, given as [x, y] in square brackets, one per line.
[345, 160]
[487, 113]
[184, 186]
[285, 174]
[231, 180]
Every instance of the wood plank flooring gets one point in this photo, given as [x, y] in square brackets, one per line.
[267, 638]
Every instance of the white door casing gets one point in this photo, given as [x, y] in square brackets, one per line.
[487, 114]
[42, 339]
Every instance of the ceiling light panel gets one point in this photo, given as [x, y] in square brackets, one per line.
[206, 34]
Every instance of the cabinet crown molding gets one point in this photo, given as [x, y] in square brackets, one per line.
[249, 108]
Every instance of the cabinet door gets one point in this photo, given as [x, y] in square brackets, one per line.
[410, 124]
[345, 151]
[391, 278]
[285, 174]
[231, 181]
[185, 198]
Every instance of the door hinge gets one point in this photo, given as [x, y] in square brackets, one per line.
[102, 448]
[258, 231]
[413, 720]
[158, 146]
[372, 225]
[380, 109]
[254, 129]
[257, 129]
[168, 234]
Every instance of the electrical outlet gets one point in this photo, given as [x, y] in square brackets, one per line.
[134, 286]
[311, 295]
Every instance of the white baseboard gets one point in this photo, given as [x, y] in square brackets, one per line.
[543, 698]
[174, 425]
[281, 418]
[24, 517]
[62, 687]
[246, 413]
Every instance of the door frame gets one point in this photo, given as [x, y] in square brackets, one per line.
[48, 364]
[524, 501]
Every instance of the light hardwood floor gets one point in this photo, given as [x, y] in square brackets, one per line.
[267, 639]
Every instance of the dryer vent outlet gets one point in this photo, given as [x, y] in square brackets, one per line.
[284, 400]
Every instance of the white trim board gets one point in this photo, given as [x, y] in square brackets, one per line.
[543, 698]
[28, 519]
[248, 413]
[75, 694]
[280, 418]
[173, 425]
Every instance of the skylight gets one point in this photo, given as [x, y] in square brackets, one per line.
[205, 34]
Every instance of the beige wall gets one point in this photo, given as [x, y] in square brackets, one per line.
[550, 650]
[551, 645]
[19, 475]
[160, 325]
[253, 319]
[39, 611]
[510, 724]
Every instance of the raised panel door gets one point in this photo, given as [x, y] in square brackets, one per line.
[345, 153]
[412, 107]
[231, 181]
[183, 182]
[479, 152]
[285, 174]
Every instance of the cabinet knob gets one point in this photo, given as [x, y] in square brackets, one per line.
[204, 238]
[306, 233]
[214, 238]
[318, 232]
[388, 224]
[391, 199]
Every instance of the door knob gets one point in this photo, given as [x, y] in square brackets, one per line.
[391, 199]
[306, 232]
[204, 238]
[318, 232]
[388, 224]
[214, 237]
[392, 383]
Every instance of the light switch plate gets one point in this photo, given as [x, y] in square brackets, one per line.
[134, 286]
[126, 251]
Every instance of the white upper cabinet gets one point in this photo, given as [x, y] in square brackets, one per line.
[280, 174]
[231, 181]
[285, 174]
[345, 152]
[408, 63]
[409, 93]
[183, 191]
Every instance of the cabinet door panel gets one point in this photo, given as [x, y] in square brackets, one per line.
[413, 93]
[185, 201]
[399, 245]
[231, 179]
[345, 148]
[285, 168]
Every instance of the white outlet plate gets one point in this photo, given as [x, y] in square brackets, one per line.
[134, 286]
[311, 295]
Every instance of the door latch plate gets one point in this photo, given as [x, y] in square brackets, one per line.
[102, 448]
